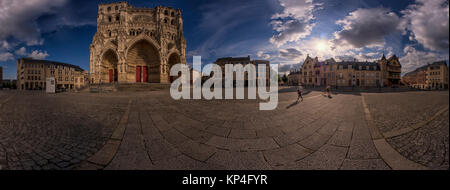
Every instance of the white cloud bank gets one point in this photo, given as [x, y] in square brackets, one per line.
[295, 22]
[428, 21]
[20, 18]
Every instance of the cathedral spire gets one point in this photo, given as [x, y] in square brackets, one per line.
[384, 57]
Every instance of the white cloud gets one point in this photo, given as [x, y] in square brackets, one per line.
[428, 21]
[414, 58]
[18, 19]
[21, 52]
[6, 56]
[37, 54]
[4, 45]
[263, 55]
[295, 22]
[367, 28]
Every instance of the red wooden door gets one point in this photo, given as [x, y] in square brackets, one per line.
[144, 73]
[138, 74]
[110, 76]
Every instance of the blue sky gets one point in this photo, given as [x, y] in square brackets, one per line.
[282, 31]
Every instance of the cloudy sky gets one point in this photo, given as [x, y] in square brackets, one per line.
[282, 31]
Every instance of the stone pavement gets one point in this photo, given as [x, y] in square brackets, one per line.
[150, 131]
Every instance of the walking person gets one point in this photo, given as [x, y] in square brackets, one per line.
[299, 92]
[329, 91]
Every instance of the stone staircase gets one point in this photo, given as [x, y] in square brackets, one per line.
[103, 88]
[126, 87]
[142, 87]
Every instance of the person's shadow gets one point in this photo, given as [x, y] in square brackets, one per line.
[293, 104]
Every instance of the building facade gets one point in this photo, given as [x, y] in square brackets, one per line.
[430, 76]
[417, 78]
[136, 45]
[32, 74]
[391, 70]
[294, 77]
[437, 75]
[82, 79]
[315, 73]
[244, 61]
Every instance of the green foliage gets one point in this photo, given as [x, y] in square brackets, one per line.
[285, 78]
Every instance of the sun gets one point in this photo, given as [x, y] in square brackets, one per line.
[321, 46]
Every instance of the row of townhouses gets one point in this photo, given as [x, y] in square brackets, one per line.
[32, 74]
[430, 76]
[382, 73]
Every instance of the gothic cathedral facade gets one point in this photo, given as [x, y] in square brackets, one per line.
[136, 45]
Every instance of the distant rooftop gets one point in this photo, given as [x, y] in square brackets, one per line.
[233, 59]
[31, 60]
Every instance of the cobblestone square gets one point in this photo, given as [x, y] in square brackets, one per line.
[151, 131]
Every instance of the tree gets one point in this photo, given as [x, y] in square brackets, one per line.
[285, 78]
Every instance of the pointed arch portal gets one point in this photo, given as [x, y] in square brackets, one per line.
[109, 72]
[143, 62]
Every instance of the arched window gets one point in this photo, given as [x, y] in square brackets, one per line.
[165, 21]
[151, 33]
[109, 9]
[172, 22]
[117, 18]
[110, 19]
[117, 8]
[109, 33]
[172, 14]
[166, 12]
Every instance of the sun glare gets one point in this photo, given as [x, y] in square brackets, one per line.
[321, 46]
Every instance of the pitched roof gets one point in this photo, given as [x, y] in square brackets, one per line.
[31, 60]
[233, 59]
